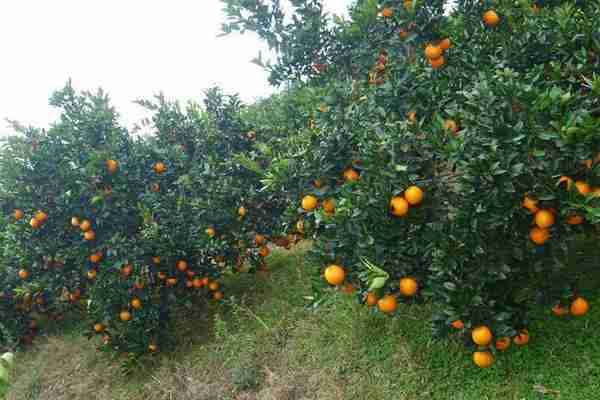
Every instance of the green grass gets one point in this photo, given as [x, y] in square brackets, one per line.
[266, 344]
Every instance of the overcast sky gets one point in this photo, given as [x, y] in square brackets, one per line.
[131, 48]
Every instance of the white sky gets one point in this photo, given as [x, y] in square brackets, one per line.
[131, 48]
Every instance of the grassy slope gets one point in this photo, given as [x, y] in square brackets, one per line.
[269, 346]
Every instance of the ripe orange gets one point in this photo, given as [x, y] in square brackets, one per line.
[309, 202]
[218, 295]
[85, 225]
[445, 44]
[458, 324]
[139, 285]
[433, 52]
[260, 239]
[482, 335]
[559, 310]
[335, 274]
[160, 168]
[41, 216]
[403, 34]
[544, 219]
[96, 257]
[182, 265]
[171, 281]
[522, 338]
[205, 281]
[99, 328]
[387, 12]
[211, 232]
[579, 307]
[437, 63]
[89, 235]
[349, 288]
[127, 270]
[162, 275]
[19, 214]
[329, 206]
[483, 359]
[387, 304]
[112, 166]
[214, 285]
[75, 221]
[156, 260]
[91, 274]
[565, 181]
[409, 4]
[583, 187]
[264, 251]
[35, 224]
[539, 236]
[399, 206]
[152, 348]
[371, 299]
[242, 211]
[451, 125]
[503, 343]
[351, 175]
[197, 283]
[136, 303]
[575, 219]
[530, 204]
[412, 116]
[491, 18]
[24, 274]
[413, 195]
[125, 316]
[408, 287]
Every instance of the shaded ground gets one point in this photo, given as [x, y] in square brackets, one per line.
[269, 346]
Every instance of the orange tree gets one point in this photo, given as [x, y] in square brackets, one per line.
[452, 155]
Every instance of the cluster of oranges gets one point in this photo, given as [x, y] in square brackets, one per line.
[412, 196]
[435, 53]
[86, 227]
[377, 74]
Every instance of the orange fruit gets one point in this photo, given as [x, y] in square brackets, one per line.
[565, 181]
[91, 274]
[451, 125]
[433, 52]
[387, 304]
[403, 34]
[482, 335]
[41, 216]
[309, 202]
[575, 219]
[260, 239]
[530, 204]
[156, 259]
[318, 183]
[205, 281]
[214, 285]
[85, 225]
[160, 168]
[329, 206]
[182, 265]
[19, 214]
[211, 232]
[559, 310]
[458, 324]
[89, 235]
[218, 295]
[445, 44]
[139, 285]
[242, 211]
[171, 281]
[99, 328]
[351, 175]
[136, 303]
[588, 163]
[335, 274]
[544, 219]
[35, 224]
[408, 287]
[197, 283]
[112, 166]
[125, 316]
[583, 187]
[387, 12]
[96, 257]
[162, 275]
[23, 274]
[437, 63]
[152, 348]
[539, 236]
[349, 288]
[579, 307]
[522, 338]
[483, 359]
[399, 206]
[264, 251]
[75, 221]
[412, 116]
[413, 195]
[371, 299]
[503, 343]
[409, 4]
[491, 18]
[127, 270]
[300, 226]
